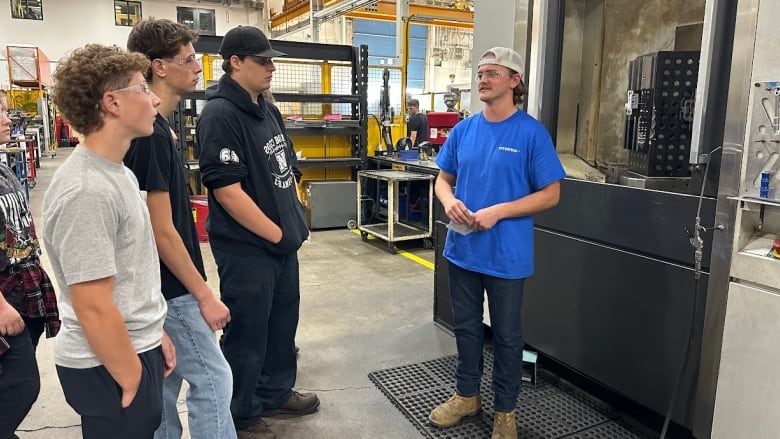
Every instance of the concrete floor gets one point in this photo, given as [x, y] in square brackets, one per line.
[362, 310]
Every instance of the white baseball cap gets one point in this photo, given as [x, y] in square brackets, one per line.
[503, 56]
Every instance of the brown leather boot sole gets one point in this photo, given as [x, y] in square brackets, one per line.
[461, 420]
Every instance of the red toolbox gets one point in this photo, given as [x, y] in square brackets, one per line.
[439, 125]
[200, 211]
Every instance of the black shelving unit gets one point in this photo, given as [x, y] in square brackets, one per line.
[356, 127]
[183, 123]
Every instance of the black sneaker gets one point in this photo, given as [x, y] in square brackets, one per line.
[298, 404]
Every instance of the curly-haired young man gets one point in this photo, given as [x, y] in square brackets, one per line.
[194, 312]
[112, 353]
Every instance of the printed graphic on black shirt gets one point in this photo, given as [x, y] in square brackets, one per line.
[276, 151]
[227, 155]
[17, 235]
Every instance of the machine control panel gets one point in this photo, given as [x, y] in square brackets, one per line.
[762, 153]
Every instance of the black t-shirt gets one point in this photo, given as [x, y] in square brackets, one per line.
[158, 165]
[418, 123]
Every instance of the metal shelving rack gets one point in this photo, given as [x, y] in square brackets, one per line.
[356, 58]
[183, 123]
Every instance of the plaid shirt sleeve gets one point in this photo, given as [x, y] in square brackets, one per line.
[39, 300]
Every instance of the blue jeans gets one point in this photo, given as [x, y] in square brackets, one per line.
[505, 300]
[200, 362]
[263, 295]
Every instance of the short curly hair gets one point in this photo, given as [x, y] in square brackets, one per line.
[159, 39]
[83, 77]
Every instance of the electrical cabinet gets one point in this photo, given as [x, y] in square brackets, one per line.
[329, 204]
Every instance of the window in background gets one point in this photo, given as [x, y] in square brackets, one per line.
[126, 13]
[202, 20]
[27, 9]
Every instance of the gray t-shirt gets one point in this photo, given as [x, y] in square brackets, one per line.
[96, 225]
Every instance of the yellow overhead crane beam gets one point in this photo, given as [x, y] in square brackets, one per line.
[294, 12]
[385, 10]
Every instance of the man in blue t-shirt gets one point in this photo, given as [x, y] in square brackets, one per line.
[506, 169]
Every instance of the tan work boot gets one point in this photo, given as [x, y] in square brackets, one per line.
[454, 410]
[504, 426]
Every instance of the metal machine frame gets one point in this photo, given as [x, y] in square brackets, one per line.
[622, 313]
[634, 234]
[733, 57]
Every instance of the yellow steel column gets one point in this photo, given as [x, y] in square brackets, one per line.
[403, 73]
[327, 108]
[206, 65]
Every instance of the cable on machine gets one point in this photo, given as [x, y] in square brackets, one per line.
[698, 245]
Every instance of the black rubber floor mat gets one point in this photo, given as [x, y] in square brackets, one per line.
[551, 409]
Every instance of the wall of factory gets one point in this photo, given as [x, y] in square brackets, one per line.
[68, 24]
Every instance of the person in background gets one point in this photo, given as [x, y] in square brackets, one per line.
[497, 169]
[256, 226]
[28, 304]
[112, 352]
[417, 126]
[194, 312]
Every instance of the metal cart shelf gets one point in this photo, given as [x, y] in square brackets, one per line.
[21, 166]
[396, 229]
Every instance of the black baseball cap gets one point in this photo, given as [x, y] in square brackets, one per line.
[247, 40]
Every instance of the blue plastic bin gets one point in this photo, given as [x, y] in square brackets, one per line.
[408, 155]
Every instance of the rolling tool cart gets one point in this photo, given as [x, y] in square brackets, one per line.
[400, 224]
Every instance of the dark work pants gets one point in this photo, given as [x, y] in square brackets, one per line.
[20, 381]
[262, 293]
[95, 396]
[505, 300]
